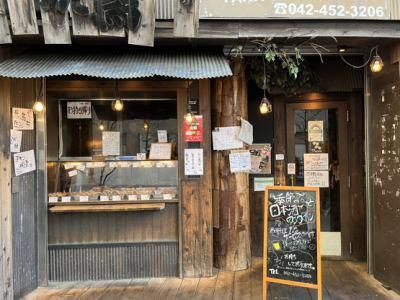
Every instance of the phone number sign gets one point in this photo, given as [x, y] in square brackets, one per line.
[295, 9]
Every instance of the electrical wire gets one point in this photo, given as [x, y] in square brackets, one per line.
[363, 65]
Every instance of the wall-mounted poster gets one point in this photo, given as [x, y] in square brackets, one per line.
[194, 162]
[240, 161]
[315, 131]
[24, 162]
[162, 136]
[291, 169]
[79, 110]
[193, 131]
[15, 140]
[261, 182]
[260, 158]
[22, 118]
[316, 161]
[246, 132]
[111, 142]
[160, 151]
[316, 179]
[226, 138]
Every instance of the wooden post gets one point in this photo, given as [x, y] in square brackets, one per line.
[23, 17]
[5, 35]
[232, 244]
[6, 265]
[144, 36]
[55, 27]
[186, 22]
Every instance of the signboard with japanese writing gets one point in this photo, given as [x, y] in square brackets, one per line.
[291, 237]
[193, 131]
[22, 118]
[194, 162]
[79, 110]
[297, 9]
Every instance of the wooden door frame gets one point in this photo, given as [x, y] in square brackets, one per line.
[343, 152]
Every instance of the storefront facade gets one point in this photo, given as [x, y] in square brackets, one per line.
[156, 199]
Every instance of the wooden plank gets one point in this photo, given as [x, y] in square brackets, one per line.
[170, 288]
[186, 22]
[151, 290]
[23, 17]
[6, 259]
[55, 26]
[188, 288]
[143, 35]
[5, 35]
[110, 17]
[224, 285]
[82, 23]
[205, 288]
[107, 208]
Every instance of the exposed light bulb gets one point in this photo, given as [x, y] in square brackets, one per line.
[118, 105]
[38, 106]
[376, 64]
[189, 118]
[265, 106]
[146, 125]
[101, 127]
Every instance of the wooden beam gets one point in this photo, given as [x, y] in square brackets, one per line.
[6, 260]
[107, 207]
[83, 25]
[5, 35]
[23, 17]
[55, 27]
[144, 34]
[186, 22]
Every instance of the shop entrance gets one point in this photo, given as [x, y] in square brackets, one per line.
[318, 143]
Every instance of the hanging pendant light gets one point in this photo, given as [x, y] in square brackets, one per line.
[117, 104]
[265, 105]
[38, 106]
[376, 63]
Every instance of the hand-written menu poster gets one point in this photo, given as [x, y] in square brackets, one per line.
[79, 110]
[22, 118]
[291, 231]
[246, 132]
[111, 143]
[193, 131]
[315, 131]
[260, 158]
[226, 138]
[316, 178]
[24, 162]
[316, 161]
[160, 151]
[162, 136]
[15, 140]
[240, 161]
[194, 162]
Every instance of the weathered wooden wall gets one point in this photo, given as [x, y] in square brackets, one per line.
[385, 166]
[232, 236]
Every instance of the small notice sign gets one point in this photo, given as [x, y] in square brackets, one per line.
[22, 118]
[161, 151]
[316, 161]
[291, 169]
[15, 140]
[315, 131]
[261, 182]
[24, 162]
[316, 178]
[194, 162]
[226, 138]
[193, 131]
[260, 158]
[162, 136]
[246, 132]
[111, 143]
[240, 161]
[79, 110]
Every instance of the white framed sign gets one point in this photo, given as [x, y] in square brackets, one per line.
[194, 162]
[79, 110]
[240, 161]
[160, 151]
[315, 131]
[316, 179]
[111, 142]
[316, 161]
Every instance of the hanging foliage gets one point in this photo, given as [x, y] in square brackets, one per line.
[288, 72]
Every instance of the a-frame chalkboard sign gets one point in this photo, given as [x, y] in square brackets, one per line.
[292, 253]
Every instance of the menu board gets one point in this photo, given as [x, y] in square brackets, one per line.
[291, 237]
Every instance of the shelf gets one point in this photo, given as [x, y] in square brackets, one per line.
[97, 202]
[106, 207]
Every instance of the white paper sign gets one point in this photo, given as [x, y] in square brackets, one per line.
[24, 162]
[79, 110]
[316, 161]
[83, 198]
[116, 198]
[226, 138]
[315, 131]
[15, 140]
[261, 182]
[66, 199]
[81, 168]
[316, 178]
[160, 151]
[279, 156]
[240, 161]
[291, 169]
[162, 136]
[53, 199]
[73, 173]
[194, 162]
[111, 143]
[22, 118]
[246, 132]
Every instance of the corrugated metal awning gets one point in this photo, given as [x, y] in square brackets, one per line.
[118, 65]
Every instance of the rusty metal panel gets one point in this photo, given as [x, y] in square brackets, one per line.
[113, 261]
[24, 204]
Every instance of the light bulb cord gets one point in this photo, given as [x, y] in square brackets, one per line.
[363, 65]
[264, 78]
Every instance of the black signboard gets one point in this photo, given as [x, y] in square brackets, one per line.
[291, 236]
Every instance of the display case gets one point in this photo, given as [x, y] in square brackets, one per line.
[79, 185]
